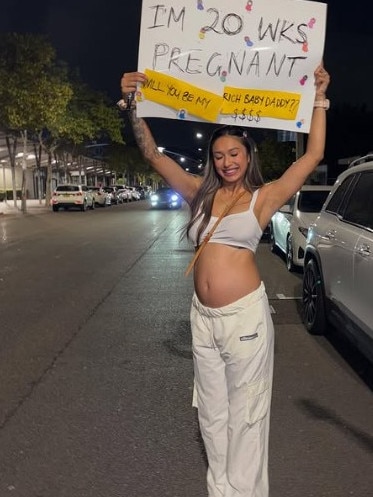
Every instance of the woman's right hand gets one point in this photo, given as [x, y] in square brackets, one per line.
[129, 81]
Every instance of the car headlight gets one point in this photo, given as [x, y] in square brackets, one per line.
[174, 198]
[154, 198]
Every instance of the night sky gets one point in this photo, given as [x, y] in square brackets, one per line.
[100, 37]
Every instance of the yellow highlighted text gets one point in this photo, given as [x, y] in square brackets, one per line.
[181, 96]
[262, 103]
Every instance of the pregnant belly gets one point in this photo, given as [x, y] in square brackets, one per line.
[224, 274]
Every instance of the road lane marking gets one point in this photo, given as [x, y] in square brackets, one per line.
[281, 296]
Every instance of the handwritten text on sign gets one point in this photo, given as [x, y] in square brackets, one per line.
[181, 96]
[264, 103]
[256, 56]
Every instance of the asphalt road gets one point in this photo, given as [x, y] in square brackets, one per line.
[96, 369]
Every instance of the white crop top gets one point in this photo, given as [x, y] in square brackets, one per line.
[237, 230]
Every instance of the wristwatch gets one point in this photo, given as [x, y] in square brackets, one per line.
[324, 104]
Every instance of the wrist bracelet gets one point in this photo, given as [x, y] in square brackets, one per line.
[323, 104]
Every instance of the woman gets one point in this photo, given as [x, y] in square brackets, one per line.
[231, 324]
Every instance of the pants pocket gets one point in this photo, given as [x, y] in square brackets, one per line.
[258, 401]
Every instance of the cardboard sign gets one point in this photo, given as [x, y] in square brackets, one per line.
[244, 62]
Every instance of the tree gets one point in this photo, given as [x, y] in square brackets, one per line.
[275, 157]
[129, 162]
[38, 98]
[33, 96]
[89, 116]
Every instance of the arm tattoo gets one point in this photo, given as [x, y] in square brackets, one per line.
[144, 138]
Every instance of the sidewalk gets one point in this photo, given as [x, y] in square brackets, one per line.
[33, 206]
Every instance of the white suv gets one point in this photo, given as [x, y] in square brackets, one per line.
[70, 195]
[338, 261]
[289, 225]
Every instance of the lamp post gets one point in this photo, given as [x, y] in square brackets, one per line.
[4, 181]
[24, 169]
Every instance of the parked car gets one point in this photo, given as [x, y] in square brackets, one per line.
[165, 198]
[289, 225]
[338, 274]
[69, 195]
[101, 197]
[112, 191]
[141, 191]
[144, 191]
[124, 195]
[135, 194]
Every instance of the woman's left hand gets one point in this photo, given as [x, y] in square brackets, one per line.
[322, 80]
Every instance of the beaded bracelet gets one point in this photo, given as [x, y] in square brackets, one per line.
[323, 104]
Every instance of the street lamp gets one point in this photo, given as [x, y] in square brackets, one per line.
[182, 158]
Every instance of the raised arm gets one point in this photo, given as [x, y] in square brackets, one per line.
[184, 183]
[279, 191]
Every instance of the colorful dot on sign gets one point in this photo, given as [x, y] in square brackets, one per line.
[249, 5]
[303, 80]
[305, 47]
[248, 42]
[311, 22]
[200, 5]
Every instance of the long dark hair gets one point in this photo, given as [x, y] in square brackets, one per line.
[201, 206]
